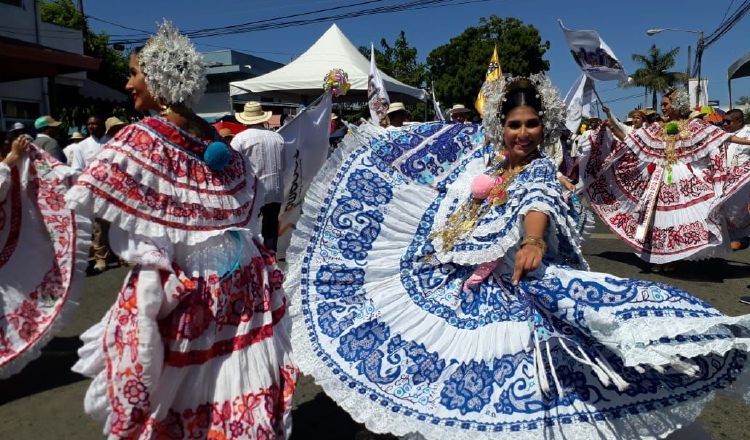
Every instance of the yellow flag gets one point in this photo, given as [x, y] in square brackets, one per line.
[494, 72]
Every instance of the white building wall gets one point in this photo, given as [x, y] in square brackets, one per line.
[21, 23]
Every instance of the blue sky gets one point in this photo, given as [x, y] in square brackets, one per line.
[621, 24]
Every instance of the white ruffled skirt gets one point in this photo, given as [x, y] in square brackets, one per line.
[390, 334]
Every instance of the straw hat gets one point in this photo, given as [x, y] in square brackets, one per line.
[458, 108]
[111, 123]
[76, 136]
[252, 114]
[396, 107]
[696, 114]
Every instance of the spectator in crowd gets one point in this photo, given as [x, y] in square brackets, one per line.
[737, 155]
[226, 135]
[112, 125]
[88, 148]
[264, 149]
[397, 114]
[47, 129]
[73, 142]
[459, 113]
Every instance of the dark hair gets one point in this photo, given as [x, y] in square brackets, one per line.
[517, 97]
[736, 113]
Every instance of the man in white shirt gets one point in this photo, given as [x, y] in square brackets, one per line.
[264, 149]
[88, 148]
[84, 154]
[734, 122]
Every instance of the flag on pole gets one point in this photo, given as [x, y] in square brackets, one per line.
[377, 97]
[305, 151]
[436, 105]
[494, 72]
[593, 55]
[579, 102]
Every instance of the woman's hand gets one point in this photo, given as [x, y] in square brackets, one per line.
[566, 183]
[17, 149]
[528, 258]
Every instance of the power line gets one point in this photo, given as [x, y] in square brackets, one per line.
[275, 23]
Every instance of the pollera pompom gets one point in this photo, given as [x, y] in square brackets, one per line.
[217, 155]
[482, 185]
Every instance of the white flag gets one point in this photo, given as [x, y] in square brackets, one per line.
[436, 105]
[593, 55]
[305, 151]
[579, 102]
[377, 97]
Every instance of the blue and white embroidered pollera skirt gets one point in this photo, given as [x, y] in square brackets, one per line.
[390, 334]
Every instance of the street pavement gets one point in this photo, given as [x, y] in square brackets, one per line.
[45, 400]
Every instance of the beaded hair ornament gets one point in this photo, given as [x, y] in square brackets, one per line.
[552, 114]
[680, 101]
[175, 71]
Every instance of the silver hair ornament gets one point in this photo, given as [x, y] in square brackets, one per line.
[680, 101]
[175, 71]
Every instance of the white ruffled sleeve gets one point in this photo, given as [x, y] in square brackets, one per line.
[4, 180]
[500, 230]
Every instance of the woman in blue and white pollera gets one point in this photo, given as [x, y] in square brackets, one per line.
[445, 294]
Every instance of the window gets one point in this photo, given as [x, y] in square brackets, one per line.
[18, 111]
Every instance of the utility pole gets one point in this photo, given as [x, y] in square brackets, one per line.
[698, 57]
[690, 51]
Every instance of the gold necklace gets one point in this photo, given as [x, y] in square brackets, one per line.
[673, 132]
[464, 220]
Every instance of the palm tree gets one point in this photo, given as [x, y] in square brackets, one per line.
[654, 74]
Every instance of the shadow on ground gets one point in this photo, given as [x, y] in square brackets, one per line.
[322, 418]
[48, 371]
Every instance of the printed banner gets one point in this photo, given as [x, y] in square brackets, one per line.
[593, 55]
[306, 148]
[579, 102]
[377, 96]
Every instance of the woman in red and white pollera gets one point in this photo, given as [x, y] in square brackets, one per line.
[667, 189]
[197, 344]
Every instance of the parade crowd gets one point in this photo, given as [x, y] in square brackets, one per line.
[434, 287]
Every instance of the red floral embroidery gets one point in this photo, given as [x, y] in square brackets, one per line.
[257, 415]
[15, 217]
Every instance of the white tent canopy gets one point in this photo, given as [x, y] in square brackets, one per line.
[303, 77]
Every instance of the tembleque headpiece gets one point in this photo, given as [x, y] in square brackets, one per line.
[680, 100]
[175, 71]
[552, 113]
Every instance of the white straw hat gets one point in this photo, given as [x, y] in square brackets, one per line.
[396, 107]
[458, 108]
[253, 114]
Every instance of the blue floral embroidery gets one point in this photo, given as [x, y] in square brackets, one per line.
[363, 340]
[369, 187]
[469, 388]
[425, 367]
[335, 281]
[373, 361]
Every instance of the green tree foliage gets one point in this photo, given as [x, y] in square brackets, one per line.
[114, 65]
[459, 67]
[398, 60]
[655, 75]
[743, 100]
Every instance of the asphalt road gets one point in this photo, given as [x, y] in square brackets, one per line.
[45, 400]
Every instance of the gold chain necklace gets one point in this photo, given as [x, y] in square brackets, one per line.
[673, 132]
[464, 220]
